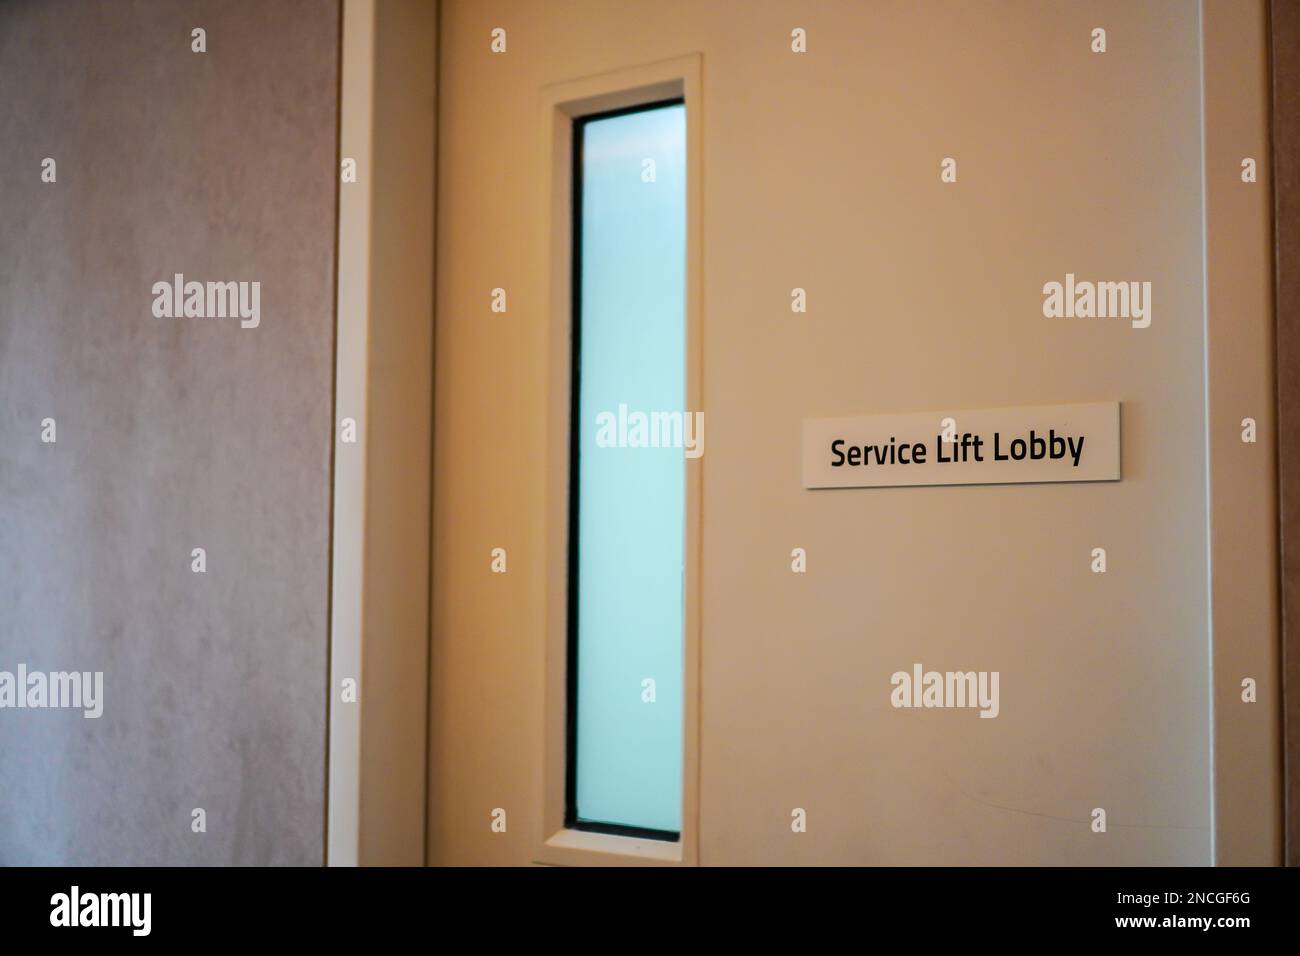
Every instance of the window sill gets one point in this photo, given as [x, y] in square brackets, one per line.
[584, 848]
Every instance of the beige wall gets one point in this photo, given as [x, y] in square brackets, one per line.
[821, 171]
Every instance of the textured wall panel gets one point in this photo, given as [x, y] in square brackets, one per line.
[172, 433]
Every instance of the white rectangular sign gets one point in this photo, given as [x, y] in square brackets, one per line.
[984, 446]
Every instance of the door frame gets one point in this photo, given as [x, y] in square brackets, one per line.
[377, 750]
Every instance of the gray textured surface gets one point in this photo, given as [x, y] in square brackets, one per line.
[172, 433]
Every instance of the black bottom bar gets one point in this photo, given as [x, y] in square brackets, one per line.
[433, 908]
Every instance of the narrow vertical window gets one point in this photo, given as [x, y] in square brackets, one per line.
[627, 505]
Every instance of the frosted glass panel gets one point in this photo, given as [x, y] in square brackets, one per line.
[631, 343]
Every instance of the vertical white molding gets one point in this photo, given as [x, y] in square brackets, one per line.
[378, 749]
[356, 132]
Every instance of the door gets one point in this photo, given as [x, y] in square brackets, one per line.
[878, 195]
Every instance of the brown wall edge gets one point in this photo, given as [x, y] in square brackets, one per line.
[1284, 31]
